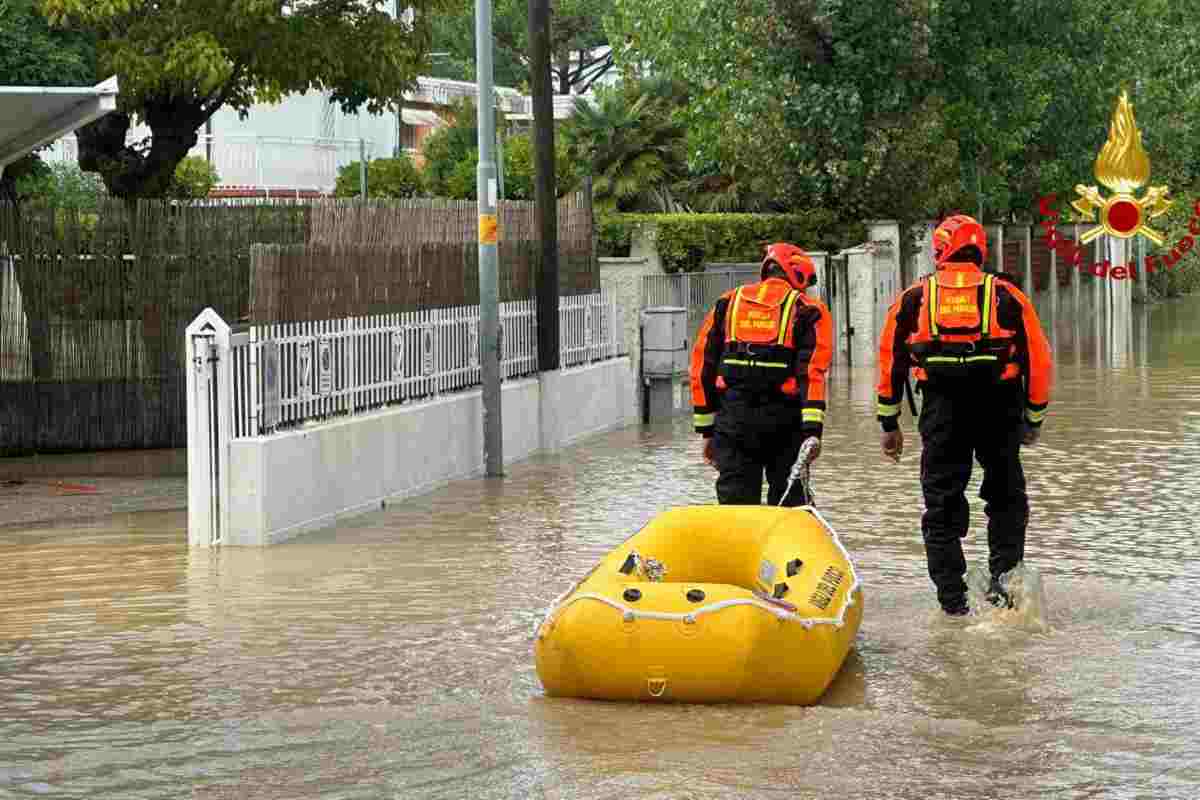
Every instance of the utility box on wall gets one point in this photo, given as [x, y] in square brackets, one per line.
[664, 360]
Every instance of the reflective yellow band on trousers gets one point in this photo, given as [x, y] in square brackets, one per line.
[886, 410]
[1035, 416]
[813, 415]
[743, 363]
[703, 420]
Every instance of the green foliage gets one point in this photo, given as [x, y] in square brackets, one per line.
[62, 185]
[576, 27]
[447, 149]
[386, 177]
[195, 177]
[452, 161]
[912, 109]
[178, 63]
[519, 168]
[34, 54]
[687, 241]
[632, 145]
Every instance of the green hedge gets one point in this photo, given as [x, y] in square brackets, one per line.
[687, 241]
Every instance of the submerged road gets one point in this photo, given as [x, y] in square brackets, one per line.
[391, 657]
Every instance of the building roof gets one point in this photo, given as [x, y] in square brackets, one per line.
[31, 116]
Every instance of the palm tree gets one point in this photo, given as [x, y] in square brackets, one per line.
[632, 145]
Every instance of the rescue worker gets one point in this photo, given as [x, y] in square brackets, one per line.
[758, 378]
[983, 368]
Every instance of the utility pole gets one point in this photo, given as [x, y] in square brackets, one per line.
[544, 183]
[489, 234]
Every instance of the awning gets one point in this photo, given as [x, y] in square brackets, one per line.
[420, 118]
[31, 116]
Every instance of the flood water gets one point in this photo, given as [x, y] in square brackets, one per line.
[391, 657]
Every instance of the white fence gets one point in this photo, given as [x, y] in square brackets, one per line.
[288, 374]
[275, 377]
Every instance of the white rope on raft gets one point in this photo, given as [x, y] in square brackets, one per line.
[629, 613]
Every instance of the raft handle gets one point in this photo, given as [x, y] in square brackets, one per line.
[780, 590]
[632, 595]
[695, 595]
[794, 566]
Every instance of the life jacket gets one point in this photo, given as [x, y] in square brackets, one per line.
[760, 348]
[958, 334]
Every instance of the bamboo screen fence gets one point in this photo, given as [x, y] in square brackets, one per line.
[93, 306]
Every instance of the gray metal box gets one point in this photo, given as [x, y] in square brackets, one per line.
[665, 341]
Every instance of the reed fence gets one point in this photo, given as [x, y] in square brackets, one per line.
[93, 305]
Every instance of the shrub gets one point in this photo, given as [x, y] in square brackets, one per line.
[519, 169]
[386, 177]
[194, 178]
[62, 185]
[687, 241]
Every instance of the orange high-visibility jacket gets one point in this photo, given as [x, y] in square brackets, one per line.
[755, 333]
[961, 321]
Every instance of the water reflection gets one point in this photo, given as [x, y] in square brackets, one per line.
[391, 656]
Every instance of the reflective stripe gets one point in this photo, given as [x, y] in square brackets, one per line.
[943, 360]
[814, 415]
[969, 359]
[1035, 416]
[785, 319]
[743, 363]
[886, 410]
[989, 288]
[703, 420]
[730, 328]
[932, 284]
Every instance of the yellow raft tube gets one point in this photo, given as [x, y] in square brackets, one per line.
[708, 604]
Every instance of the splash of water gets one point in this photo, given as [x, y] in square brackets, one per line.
[1023, 584]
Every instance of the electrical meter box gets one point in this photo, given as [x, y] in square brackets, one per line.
[664, 341]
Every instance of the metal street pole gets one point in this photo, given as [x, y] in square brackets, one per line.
[489, 233]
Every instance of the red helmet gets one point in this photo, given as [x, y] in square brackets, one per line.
[796, 265]
[954, 234]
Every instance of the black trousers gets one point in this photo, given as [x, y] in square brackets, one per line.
[753, 440]
[958, 425]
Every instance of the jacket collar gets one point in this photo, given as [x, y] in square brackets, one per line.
[959, 266]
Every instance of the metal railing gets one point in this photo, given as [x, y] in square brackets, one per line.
[286, 163]
[291, 374]
[699, 291]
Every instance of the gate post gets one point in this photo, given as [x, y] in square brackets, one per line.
[209, 368]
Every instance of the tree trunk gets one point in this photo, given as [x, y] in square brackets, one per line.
[563, 72]
[129, 172]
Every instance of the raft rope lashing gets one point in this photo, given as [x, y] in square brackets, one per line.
[631, 614]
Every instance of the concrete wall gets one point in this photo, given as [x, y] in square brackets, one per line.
[286, 484]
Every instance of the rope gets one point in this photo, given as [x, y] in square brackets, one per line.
[630, 614]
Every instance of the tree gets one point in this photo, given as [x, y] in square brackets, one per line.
[386, 177]
[34, 54]
[451, 153]
[578, 44]
[451, 156]
[179, 62]
[632, 145]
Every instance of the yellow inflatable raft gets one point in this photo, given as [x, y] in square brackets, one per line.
[708, 604]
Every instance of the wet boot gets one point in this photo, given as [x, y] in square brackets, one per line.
[957, 610]
[997, 595]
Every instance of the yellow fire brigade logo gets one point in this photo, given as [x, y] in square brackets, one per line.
[1124, 167]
